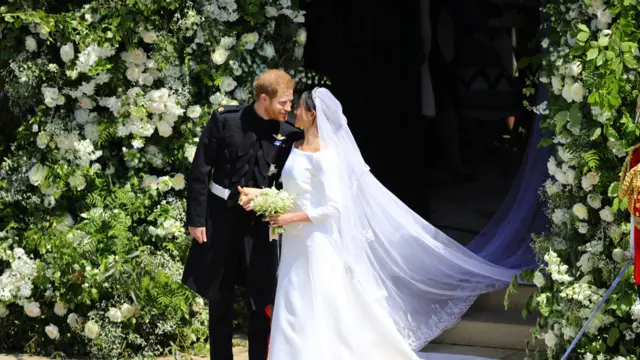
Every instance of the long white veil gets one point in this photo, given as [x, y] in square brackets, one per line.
[424, 280]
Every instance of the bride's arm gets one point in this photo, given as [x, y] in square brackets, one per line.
[326, 170]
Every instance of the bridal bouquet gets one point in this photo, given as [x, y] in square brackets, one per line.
[272, 201]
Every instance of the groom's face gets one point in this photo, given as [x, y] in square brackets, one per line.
[278, 107]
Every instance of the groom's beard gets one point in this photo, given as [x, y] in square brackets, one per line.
[275, 115]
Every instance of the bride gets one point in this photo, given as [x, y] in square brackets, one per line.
[361, 275]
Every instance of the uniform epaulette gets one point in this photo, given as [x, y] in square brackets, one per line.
[228, 109]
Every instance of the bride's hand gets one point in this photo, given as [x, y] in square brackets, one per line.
[281, 220]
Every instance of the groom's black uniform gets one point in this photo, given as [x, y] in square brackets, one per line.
[242, 149]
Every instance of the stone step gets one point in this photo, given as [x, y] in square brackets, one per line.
[488, 324]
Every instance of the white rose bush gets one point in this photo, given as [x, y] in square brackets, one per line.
[589, 65]
[112, 97]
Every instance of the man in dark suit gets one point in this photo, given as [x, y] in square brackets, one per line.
[245, 146]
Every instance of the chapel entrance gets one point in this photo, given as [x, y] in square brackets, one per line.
[444, 141]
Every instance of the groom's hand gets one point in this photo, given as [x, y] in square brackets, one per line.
[246, 197]
[198, 233]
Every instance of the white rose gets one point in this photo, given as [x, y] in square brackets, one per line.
[604, 19]
[577, 92]
[595, 201]
[301, 36]
[164, 183]
[114, 315]
[52, 331]
[43, 140]
[194, 111]
[178, 182]
[219, 56]
[216, 98]
[227, 42]
[190, 152]
[148, 36]
[164, 128]
[552, 166]
[557, 84]
[127, 310]
[227, 84]
[606, 214]
[550, 339]
[31, 44]
[149, 182]
[250, 40]
[583, 228]
[86, 102]
[66, 52]
[91, 330]
[268, 50]
[576, 68]
[160, 95]
[49, 202]
[570, 176]
[270, 11]
[538, 279]
[585, 263]
[136, 56]
[60, 308]
[146, 79]
[3, 310]
[77, 181]
[615, 232]
[618, 255]
[156, 107]
[580, 211]
[32, 309]
[37, 174]
[133, 73]
[566, 89]
[559, 216]
[198, 305]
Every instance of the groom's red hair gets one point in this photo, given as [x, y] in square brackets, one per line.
[271, 82]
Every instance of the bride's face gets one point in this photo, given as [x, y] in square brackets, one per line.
[304, 118]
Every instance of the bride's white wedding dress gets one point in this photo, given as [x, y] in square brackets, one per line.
[367, 279]
[320, 311]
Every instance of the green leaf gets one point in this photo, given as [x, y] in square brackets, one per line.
[603, 40]
[614, 188]
[616, 204]
[592, 53]
[596, 133]
[630, 61]
[583, 36]
[575, 115]
[583, 28]
[614, 334]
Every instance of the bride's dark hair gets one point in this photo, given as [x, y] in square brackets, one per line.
[306, 101]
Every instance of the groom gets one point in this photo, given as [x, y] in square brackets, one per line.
[244, 146]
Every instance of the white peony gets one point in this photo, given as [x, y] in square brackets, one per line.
[227, 84]
[60, 308]
[146, 79]
[32, 309]
[52, 331]
[577, 92]
[178, 182]
[77, 181]
[268, 50]
[164, 128]
[594, 200]
[114, 315]
[127, 310]
[135, 56]
[86, 102]
[557, 84]
[66, 52]
[198, 305]
[91, 330]
[148, 36]
[538, 279]
[37, 174]
[133, 73]
[156, 107]
[219, 56]
[301, 36]
[73, 320]
[160, 95]
[606, 214]
[194, 111]
[216, 98]
[164, 183]
[590, 179]
[582, 227]
[3, 310]
[580, 211]
[30, 44]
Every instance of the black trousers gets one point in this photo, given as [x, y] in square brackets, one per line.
[250, 262]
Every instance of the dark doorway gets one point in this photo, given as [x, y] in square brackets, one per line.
[373, 52]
